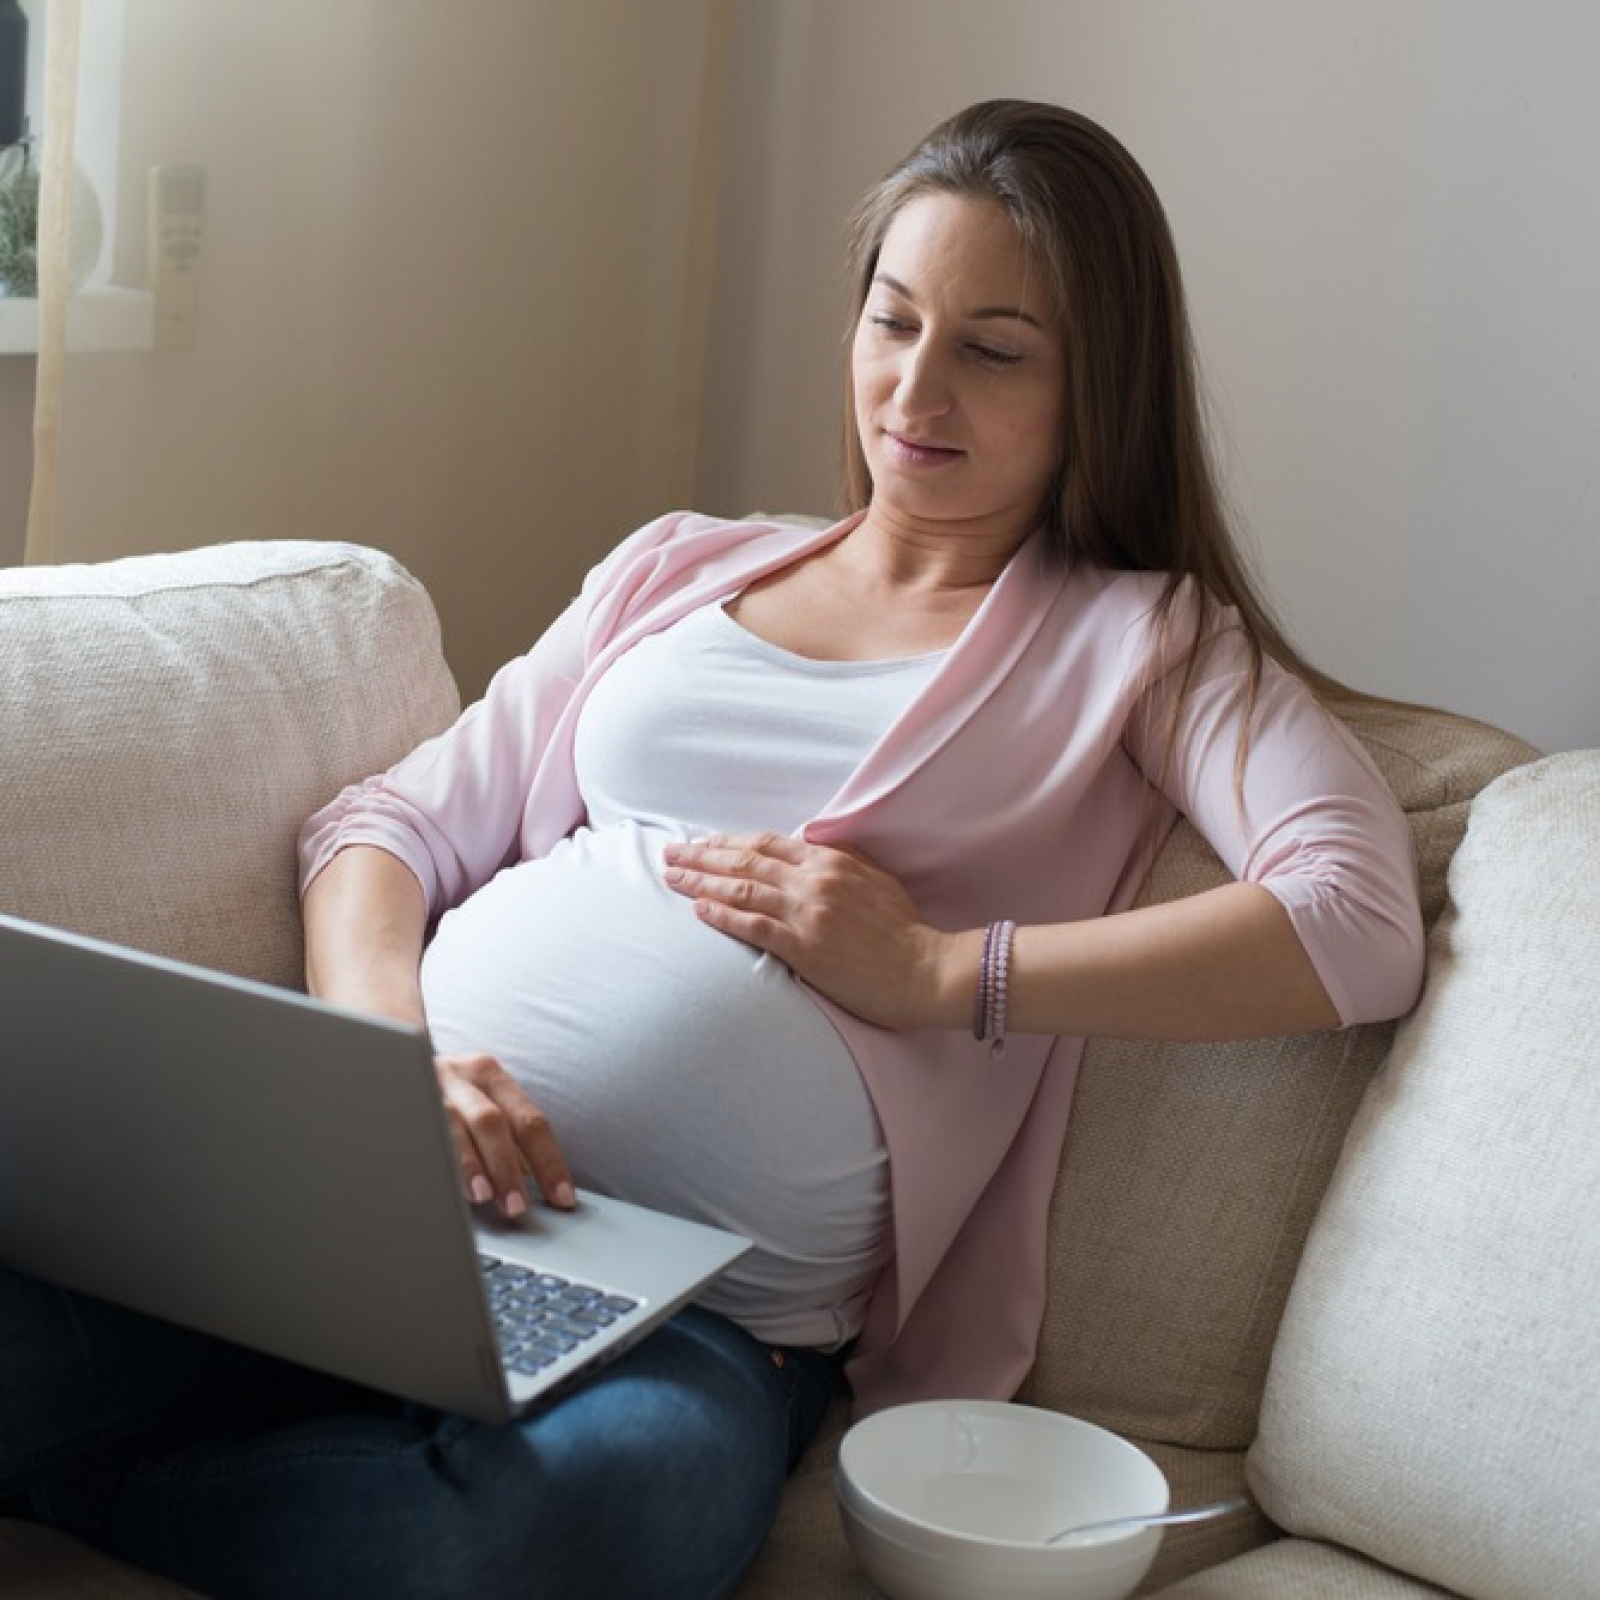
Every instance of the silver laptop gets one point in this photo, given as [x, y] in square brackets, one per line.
[279, 1172]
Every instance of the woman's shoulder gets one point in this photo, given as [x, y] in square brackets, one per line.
[686, 553]
[1135, 589]
[682, 545]
[1154, 621]
[1137, 600]
[692, 535]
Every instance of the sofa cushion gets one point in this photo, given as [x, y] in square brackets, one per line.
[1300, 1569]
[170, 720]
[1191, 1173]
[37, 1563]
[1432, 1401]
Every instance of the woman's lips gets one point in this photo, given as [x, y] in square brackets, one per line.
[919, 452]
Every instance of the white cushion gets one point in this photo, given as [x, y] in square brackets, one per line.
[169, 721]
[1433, 1400]
[1297, 1569]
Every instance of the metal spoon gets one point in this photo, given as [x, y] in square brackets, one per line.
[1155, 1519]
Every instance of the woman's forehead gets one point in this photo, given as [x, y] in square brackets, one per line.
[944, 243]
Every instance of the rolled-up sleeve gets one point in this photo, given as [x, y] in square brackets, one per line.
[452, 811]
[1308, 817]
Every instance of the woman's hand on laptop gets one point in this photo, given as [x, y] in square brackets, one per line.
[501, 1136]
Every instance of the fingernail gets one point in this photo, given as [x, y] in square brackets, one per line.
[514, 1203]
[565, 1197]
[481, 1191]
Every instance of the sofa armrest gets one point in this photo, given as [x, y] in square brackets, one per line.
[170, 720]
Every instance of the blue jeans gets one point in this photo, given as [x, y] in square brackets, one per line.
[241, 1476]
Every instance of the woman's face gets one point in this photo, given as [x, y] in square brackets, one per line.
[957, 370]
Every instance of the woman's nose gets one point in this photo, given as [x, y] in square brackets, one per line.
[923, 389]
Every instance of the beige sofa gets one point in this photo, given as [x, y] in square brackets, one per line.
[1355, 1272]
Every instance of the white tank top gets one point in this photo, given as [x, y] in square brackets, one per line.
[679, 1067]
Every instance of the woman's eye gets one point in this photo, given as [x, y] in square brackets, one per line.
[995, 357]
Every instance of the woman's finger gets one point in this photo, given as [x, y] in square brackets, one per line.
[500, 1136]
[739, 857]
[843, 924]
[744, 888]
[536, 1145]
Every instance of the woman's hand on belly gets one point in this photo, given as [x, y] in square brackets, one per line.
[500, 1136]
[845, 926]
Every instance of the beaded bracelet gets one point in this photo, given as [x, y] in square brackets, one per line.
[994, 973]
[980, 1010]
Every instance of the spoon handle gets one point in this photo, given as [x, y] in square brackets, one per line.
[1156, 1519]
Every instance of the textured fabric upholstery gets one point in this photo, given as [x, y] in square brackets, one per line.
[170, 721]
[39, 1564]
[1298, 1569]
[1433, 1400]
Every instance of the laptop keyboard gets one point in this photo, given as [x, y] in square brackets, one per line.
[540, 1316]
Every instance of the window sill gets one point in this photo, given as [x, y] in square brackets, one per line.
[102, 318]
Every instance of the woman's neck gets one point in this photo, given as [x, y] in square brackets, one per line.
[885, 589]
[904, 555]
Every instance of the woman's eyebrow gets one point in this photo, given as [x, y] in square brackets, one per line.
[981, 314]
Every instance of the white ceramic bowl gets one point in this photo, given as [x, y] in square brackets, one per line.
[953, 1499]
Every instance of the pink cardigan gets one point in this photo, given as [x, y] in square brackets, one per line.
[1029, 780]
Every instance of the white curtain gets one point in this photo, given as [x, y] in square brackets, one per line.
[454, 285]
[55, 220]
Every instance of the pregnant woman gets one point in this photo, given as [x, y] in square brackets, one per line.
[778, 885]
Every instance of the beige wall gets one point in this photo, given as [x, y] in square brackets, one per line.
[447, 305]
[1388, 215]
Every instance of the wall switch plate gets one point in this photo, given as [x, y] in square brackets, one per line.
[177, 212]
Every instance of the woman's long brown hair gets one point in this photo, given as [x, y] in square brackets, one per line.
[1135, 489]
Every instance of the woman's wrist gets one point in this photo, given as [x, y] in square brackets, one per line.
[991, 1003]
[954, 965]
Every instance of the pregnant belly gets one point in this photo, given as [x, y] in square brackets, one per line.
[678, 1068]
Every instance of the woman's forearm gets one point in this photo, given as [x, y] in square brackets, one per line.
[1223, 964]
[365, 918]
